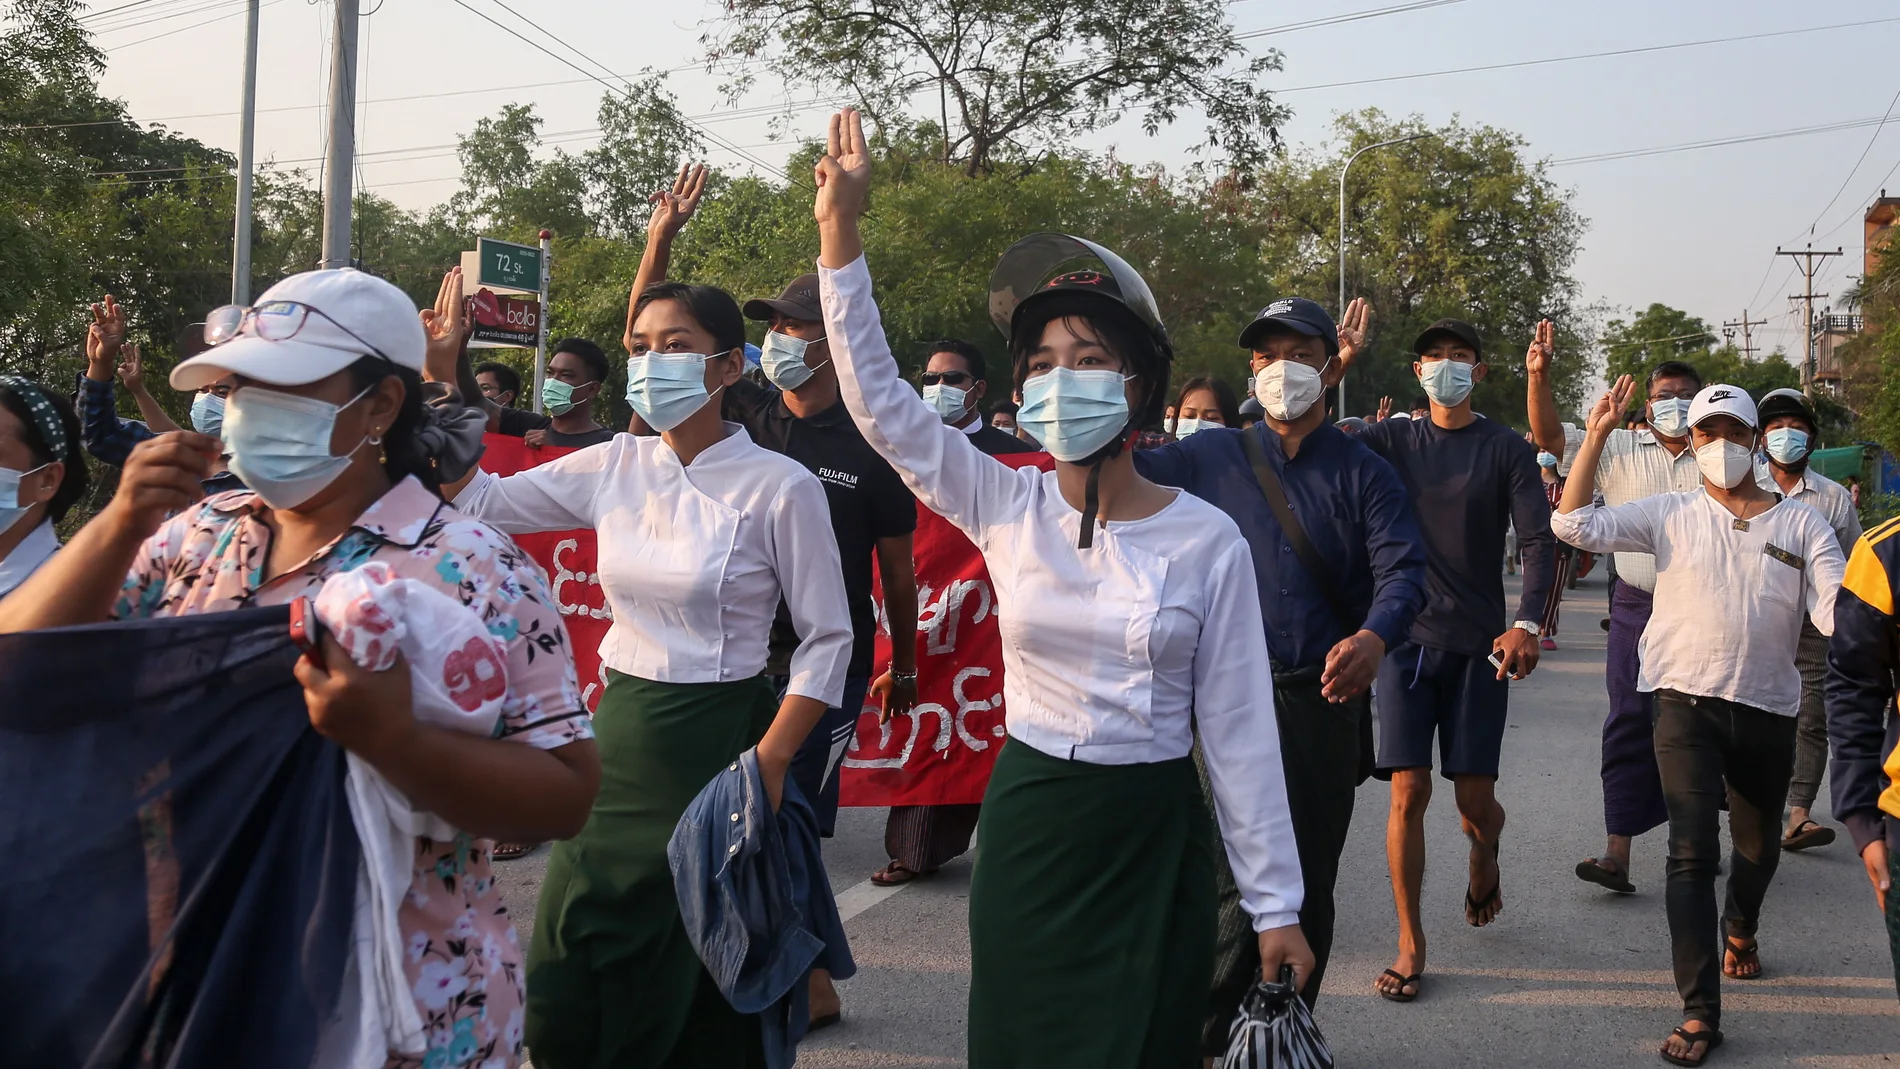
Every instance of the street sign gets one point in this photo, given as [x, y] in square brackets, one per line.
[504, 322]
[505, 265]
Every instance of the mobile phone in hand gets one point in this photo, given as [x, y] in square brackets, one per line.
[1497, 659]
[306, 631]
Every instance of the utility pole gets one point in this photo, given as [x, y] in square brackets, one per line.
[247, 137]
[1806, 258]
[340, 157]
[1748, 339]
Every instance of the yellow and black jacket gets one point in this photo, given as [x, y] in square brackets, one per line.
[1863, 668]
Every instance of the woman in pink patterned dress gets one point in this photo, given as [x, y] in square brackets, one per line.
[327, 427]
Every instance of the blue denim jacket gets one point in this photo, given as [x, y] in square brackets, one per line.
[756, 902]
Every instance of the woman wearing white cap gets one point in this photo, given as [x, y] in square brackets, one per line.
[326, 425]
[1130, 618]
[1737, 568]
[701, 534]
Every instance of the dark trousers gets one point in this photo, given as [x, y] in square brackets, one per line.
[923, 837]
[1632, 791]
[815, 765]
[1319, 749]
[1893, 910]
[1810, 746]
[1709, 748]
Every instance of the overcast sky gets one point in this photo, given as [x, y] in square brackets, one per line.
[1694, 229]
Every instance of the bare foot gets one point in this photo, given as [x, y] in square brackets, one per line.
[824, 997]
[1482, 909]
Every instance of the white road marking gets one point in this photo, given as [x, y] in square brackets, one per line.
[855, 900]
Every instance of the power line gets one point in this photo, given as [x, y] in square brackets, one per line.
[193, 26]
[1335, 20]
[1743, 139]
[1591, 55]
[1856, 168]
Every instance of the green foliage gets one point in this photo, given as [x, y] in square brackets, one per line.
[1873, 358]
[997, 93]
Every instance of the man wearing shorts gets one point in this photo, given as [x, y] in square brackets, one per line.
[1470, 479]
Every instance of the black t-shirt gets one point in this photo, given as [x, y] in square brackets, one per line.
[516, 422]
[995, 442]
[1469, 485]
[868, 502]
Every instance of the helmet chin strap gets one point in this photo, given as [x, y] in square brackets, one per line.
[1092, 492]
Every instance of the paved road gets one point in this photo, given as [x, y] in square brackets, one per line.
[1569, 975]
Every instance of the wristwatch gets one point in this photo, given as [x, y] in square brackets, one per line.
[1527, 625]
[903, 677]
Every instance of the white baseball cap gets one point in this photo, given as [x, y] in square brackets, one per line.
[309, 327]
[1721, 399]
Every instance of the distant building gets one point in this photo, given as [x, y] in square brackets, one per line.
[1878, 228]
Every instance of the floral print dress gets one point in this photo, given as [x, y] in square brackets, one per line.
[463, 958]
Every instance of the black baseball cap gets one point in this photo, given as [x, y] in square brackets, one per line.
[1459, 330]
[1296, 314]
[799, 301]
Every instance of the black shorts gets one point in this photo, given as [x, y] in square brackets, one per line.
[1458, 696]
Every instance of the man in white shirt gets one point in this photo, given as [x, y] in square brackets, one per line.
[1634, 464]
[1737, 567]
[1789, 433]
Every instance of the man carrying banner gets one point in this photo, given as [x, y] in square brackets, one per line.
[1341, 570]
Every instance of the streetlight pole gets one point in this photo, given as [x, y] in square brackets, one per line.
[247, 137]
[1342, 237]
[341, 154]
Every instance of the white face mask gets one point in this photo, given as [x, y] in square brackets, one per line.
[1287, 389]
[1187, 425]
[1446, 382]
[666, 388]
[783, 359]
[207, 414]
[1724, 463]
[1669, 416]
[949, 402]
[11, 508]
[280, 443]
[1074, 413]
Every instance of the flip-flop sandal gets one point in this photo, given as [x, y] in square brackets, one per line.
[1595, 871]
[894, 874]
[1744, 951]
[1399, 994]
[1807, 835]
[511, 851]
[1475, 908]
[1710, 1036]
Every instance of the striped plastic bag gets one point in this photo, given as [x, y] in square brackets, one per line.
[1274, 1030]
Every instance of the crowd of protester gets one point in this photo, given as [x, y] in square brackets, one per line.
[1200, 592]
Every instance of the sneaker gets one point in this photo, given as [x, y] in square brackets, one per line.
[1549, 643]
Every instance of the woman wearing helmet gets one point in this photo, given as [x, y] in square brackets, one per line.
[1129, 619]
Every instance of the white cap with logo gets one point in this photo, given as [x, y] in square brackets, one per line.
[1721, 399]
[311, 326]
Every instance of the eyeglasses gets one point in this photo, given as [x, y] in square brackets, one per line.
[272, 321]
[948, 378]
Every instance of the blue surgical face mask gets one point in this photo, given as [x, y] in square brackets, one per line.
[1669, 416]
[1187, 425]
[1787, 445]
[1546, 460]
[1446, 382]
[783, 358]
[1074, 413]
[558, 396]
[280, 443]
[207, 413]
[11, 508]
[948, 402]
[666, 388]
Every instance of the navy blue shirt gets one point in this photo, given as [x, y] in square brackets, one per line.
[1469, 486]
[1353, 508]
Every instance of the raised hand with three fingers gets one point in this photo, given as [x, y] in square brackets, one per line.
[1353, 327]
[672, 208]
[104, 337]
[1543, 349]
[446, 327]
[1607, 414]
[132, 368]
[1385, 410]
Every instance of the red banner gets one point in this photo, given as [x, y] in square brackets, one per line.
[940, 753]
[568, 558]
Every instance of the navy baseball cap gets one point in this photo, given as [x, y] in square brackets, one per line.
[1296, 314]
[1457, 329]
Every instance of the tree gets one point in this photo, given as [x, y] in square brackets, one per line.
[1012, 78]
[504, 185]
[1458, 223]
[1872, 358]
[643, 139]
[1660, 333]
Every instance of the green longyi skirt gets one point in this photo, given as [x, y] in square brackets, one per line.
[1091, 915]
[613, 981]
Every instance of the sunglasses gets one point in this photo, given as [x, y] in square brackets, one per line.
[272, 321]
[948, 378]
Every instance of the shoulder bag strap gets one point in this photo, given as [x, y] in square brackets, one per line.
[1290, 524]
